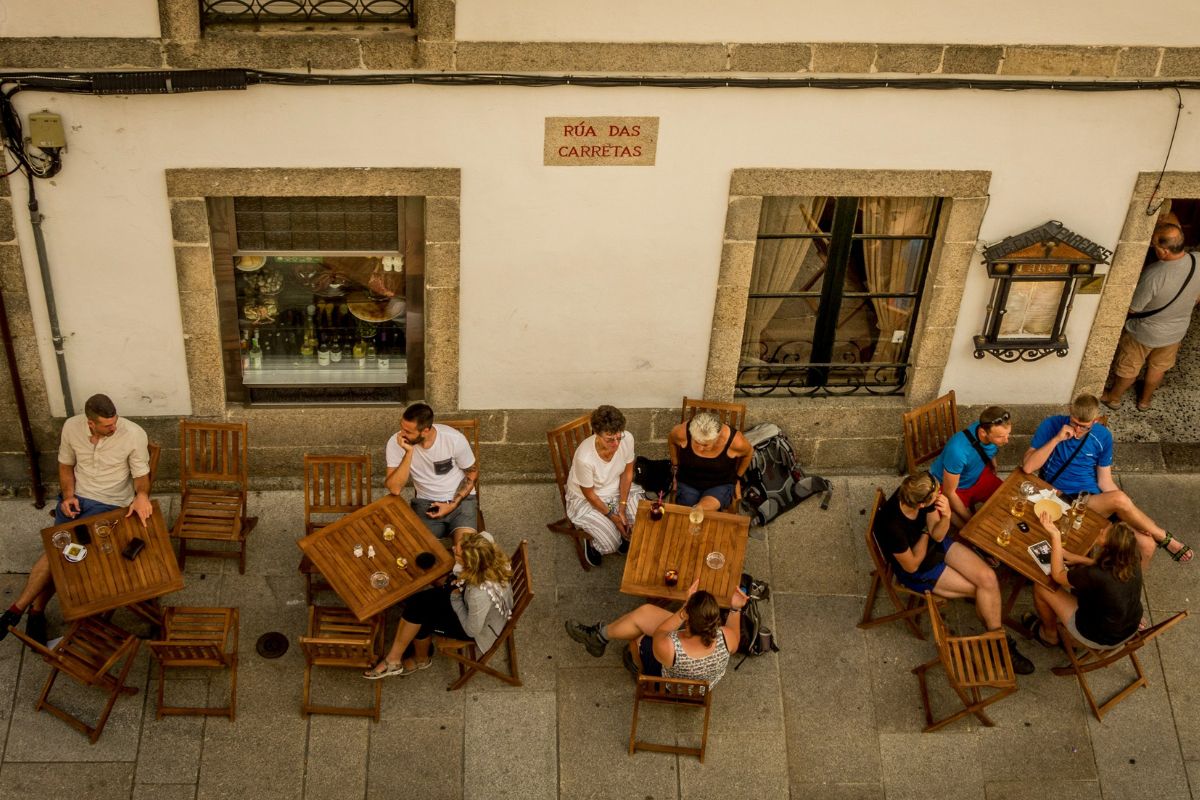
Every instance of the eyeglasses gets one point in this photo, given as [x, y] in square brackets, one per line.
[1000, 420]
[1083, 426]
[613, 439]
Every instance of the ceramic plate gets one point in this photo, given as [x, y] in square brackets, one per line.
[1051, 507]
[74, 552]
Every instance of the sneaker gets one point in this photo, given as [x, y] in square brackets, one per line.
[9, 617]
[35, 627]
[592, 555]
[623, 547]
[1021, 664]
[588, 636]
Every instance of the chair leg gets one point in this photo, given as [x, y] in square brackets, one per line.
[565, 526]
[633, 730]
[304, 712]
[704, 733]
[118, 687]
[162, 679]
[233, 666]
[182, 554]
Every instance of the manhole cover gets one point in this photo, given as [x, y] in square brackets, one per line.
[271, 645]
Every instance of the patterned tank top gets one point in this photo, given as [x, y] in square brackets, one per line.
[707, 668]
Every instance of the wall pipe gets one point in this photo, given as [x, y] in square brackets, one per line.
[35, 219]
[31, 451]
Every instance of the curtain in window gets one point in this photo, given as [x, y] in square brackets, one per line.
[777, 262]
[891, 264]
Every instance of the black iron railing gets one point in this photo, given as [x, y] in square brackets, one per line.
[808, 380]
[307, 11]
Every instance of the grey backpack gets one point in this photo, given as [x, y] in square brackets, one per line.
[774, 482]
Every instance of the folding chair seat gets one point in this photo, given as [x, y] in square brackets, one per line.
[465, 653]
[1092, 660]
[883, 578]
[564, 441]
[972, 664]
[678, 692]
[333, 487]
[337, 639]
[197, 638]
[213, 453]
[927, 428]
[88, 653]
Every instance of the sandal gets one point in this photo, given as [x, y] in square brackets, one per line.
[405, 671]
[384, 669]
[1183, 555]
[1034, 624]
[1111, 405]
[1142, 406]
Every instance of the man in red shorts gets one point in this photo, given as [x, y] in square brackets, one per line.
[967, 465]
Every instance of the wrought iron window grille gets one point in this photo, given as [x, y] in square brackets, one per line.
[250, 12]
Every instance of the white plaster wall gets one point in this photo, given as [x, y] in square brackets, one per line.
[69, 18]
[1083, 22]
[578, 283]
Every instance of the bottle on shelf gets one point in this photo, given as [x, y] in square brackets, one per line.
[308, 342]
[323, 354]
[256, 353]
[268, 346]
[245, 350]
[372, 355]
[360, 353]
[335, 351]
[384, 358]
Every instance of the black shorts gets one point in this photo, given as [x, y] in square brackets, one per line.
[431, 610]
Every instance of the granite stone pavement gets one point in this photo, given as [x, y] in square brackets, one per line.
[834, 715]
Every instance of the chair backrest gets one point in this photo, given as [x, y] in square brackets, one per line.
[882, 566]
[679, 691]
[927, 428]
[90, 648]
[196, 636]
[522, 591]
[179, 654]
[334, 485]
[971, 661]
[335, 638]
[470, 429]
[564, 441]
[731, 414]
[212, 452]
[155, 453]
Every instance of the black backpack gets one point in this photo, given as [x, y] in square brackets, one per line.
[774, 482]
[755, 638]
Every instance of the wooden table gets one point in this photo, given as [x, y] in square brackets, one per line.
[104, 581]
[332, 550]
[982, 528]
[655, 547]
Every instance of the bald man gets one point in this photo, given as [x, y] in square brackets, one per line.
[1159, 316]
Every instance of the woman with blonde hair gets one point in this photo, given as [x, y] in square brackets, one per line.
[476, 604]
[1104, 605]
[689, 643]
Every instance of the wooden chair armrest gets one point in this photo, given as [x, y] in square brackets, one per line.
[37, 647]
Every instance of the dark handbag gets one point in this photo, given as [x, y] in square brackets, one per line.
[652, 474]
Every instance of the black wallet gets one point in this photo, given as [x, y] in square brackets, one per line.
[134, 547]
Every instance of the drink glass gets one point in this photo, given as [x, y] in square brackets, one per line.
[1017, 505]
[1004, 536]
[358, 551]
[1027, 489]
[61, 539]
[656, 510]
[715, 560]
[380, 580]
[389, 533]
[671, 577]
[697, 519]
[104, 534]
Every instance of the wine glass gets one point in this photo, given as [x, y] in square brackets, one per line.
[697, 519]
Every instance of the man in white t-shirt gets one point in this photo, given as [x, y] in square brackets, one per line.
[442, 466]
[601, 496]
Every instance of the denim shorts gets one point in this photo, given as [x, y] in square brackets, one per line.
[86, 509]
[687, 496]
[465, 516]
[925, 580]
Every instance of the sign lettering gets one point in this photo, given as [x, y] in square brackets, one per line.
[600, 141]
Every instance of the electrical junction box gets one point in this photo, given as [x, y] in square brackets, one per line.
[46, 131]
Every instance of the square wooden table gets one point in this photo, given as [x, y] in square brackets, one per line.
[655, 547]
[332, 551]
[982, 528]
[104, 581]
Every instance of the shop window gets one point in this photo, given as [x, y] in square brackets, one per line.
[320, 297]
[834, 294]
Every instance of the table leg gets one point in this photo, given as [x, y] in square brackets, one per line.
[1006, 617]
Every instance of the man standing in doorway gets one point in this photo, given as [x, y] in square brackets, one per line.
[103, 464]
[1159, 316]
[442, 466]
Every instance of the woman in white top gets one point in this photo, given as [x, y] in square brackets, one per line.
[601, 496]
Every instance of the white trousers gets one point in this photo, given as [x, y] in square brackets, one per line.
[605, 536]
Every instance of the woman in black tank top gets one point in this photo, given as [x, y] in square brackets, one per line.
[709, 457]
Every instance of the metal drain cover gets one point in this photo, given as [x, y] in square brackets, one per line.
[271, 645]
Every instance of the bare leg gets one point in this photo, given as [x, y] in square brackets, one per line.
[421, 652]
[966, 575]
[37, 585]
[1119, 503]
[1119, 387]
[1051, 608]
[404, 637]
[709, 503]
[642, 621]
[1153, 378]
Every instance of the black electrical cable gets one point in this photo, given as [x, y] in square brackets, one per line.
[1170, 146]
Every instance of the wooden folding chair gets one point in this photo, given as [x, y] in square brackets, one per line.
[464, 651]
[1092, 660]
[884, 577]
[927, 428]
[88, 653]
[470, 429]
[333, 487]
[564, 441]
[337, 639]
[204, 638]
[731, 414]
[213, 453]
[972, 663]
[677, 692]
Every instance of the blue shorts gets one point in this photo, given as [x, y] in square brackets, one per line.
[465, 516]
[687, 496]
[925, 580]
[86, 509]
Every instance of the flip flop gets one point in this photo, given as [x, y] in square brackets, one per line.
[1034, 623]
[389, 669]
[1183, 555]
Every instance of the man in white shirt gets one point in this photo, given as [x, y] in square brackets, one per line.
[442, 466]
[103, 464]
[599, 496]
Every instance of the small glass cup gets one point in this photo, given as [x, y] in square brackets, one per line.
[671, 577]
[715, 560]
[1018, 504]
[401, 562]
[380, 580]
[389, 533]
[1004, 536]
[697, 519]
[656, 510]
[1027, 488]
[358, 551]
[61, 539]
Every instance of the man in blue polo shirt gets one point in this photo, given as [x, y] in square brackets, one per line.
[967, 464]
[1075, 454]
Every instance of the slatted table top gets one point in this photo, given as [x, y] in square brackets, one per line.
[104, 581]
[981, 530]
[655, 547]
[331, 549]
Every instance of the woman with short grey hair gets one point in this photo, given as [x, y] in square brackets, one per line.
[708, 457]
